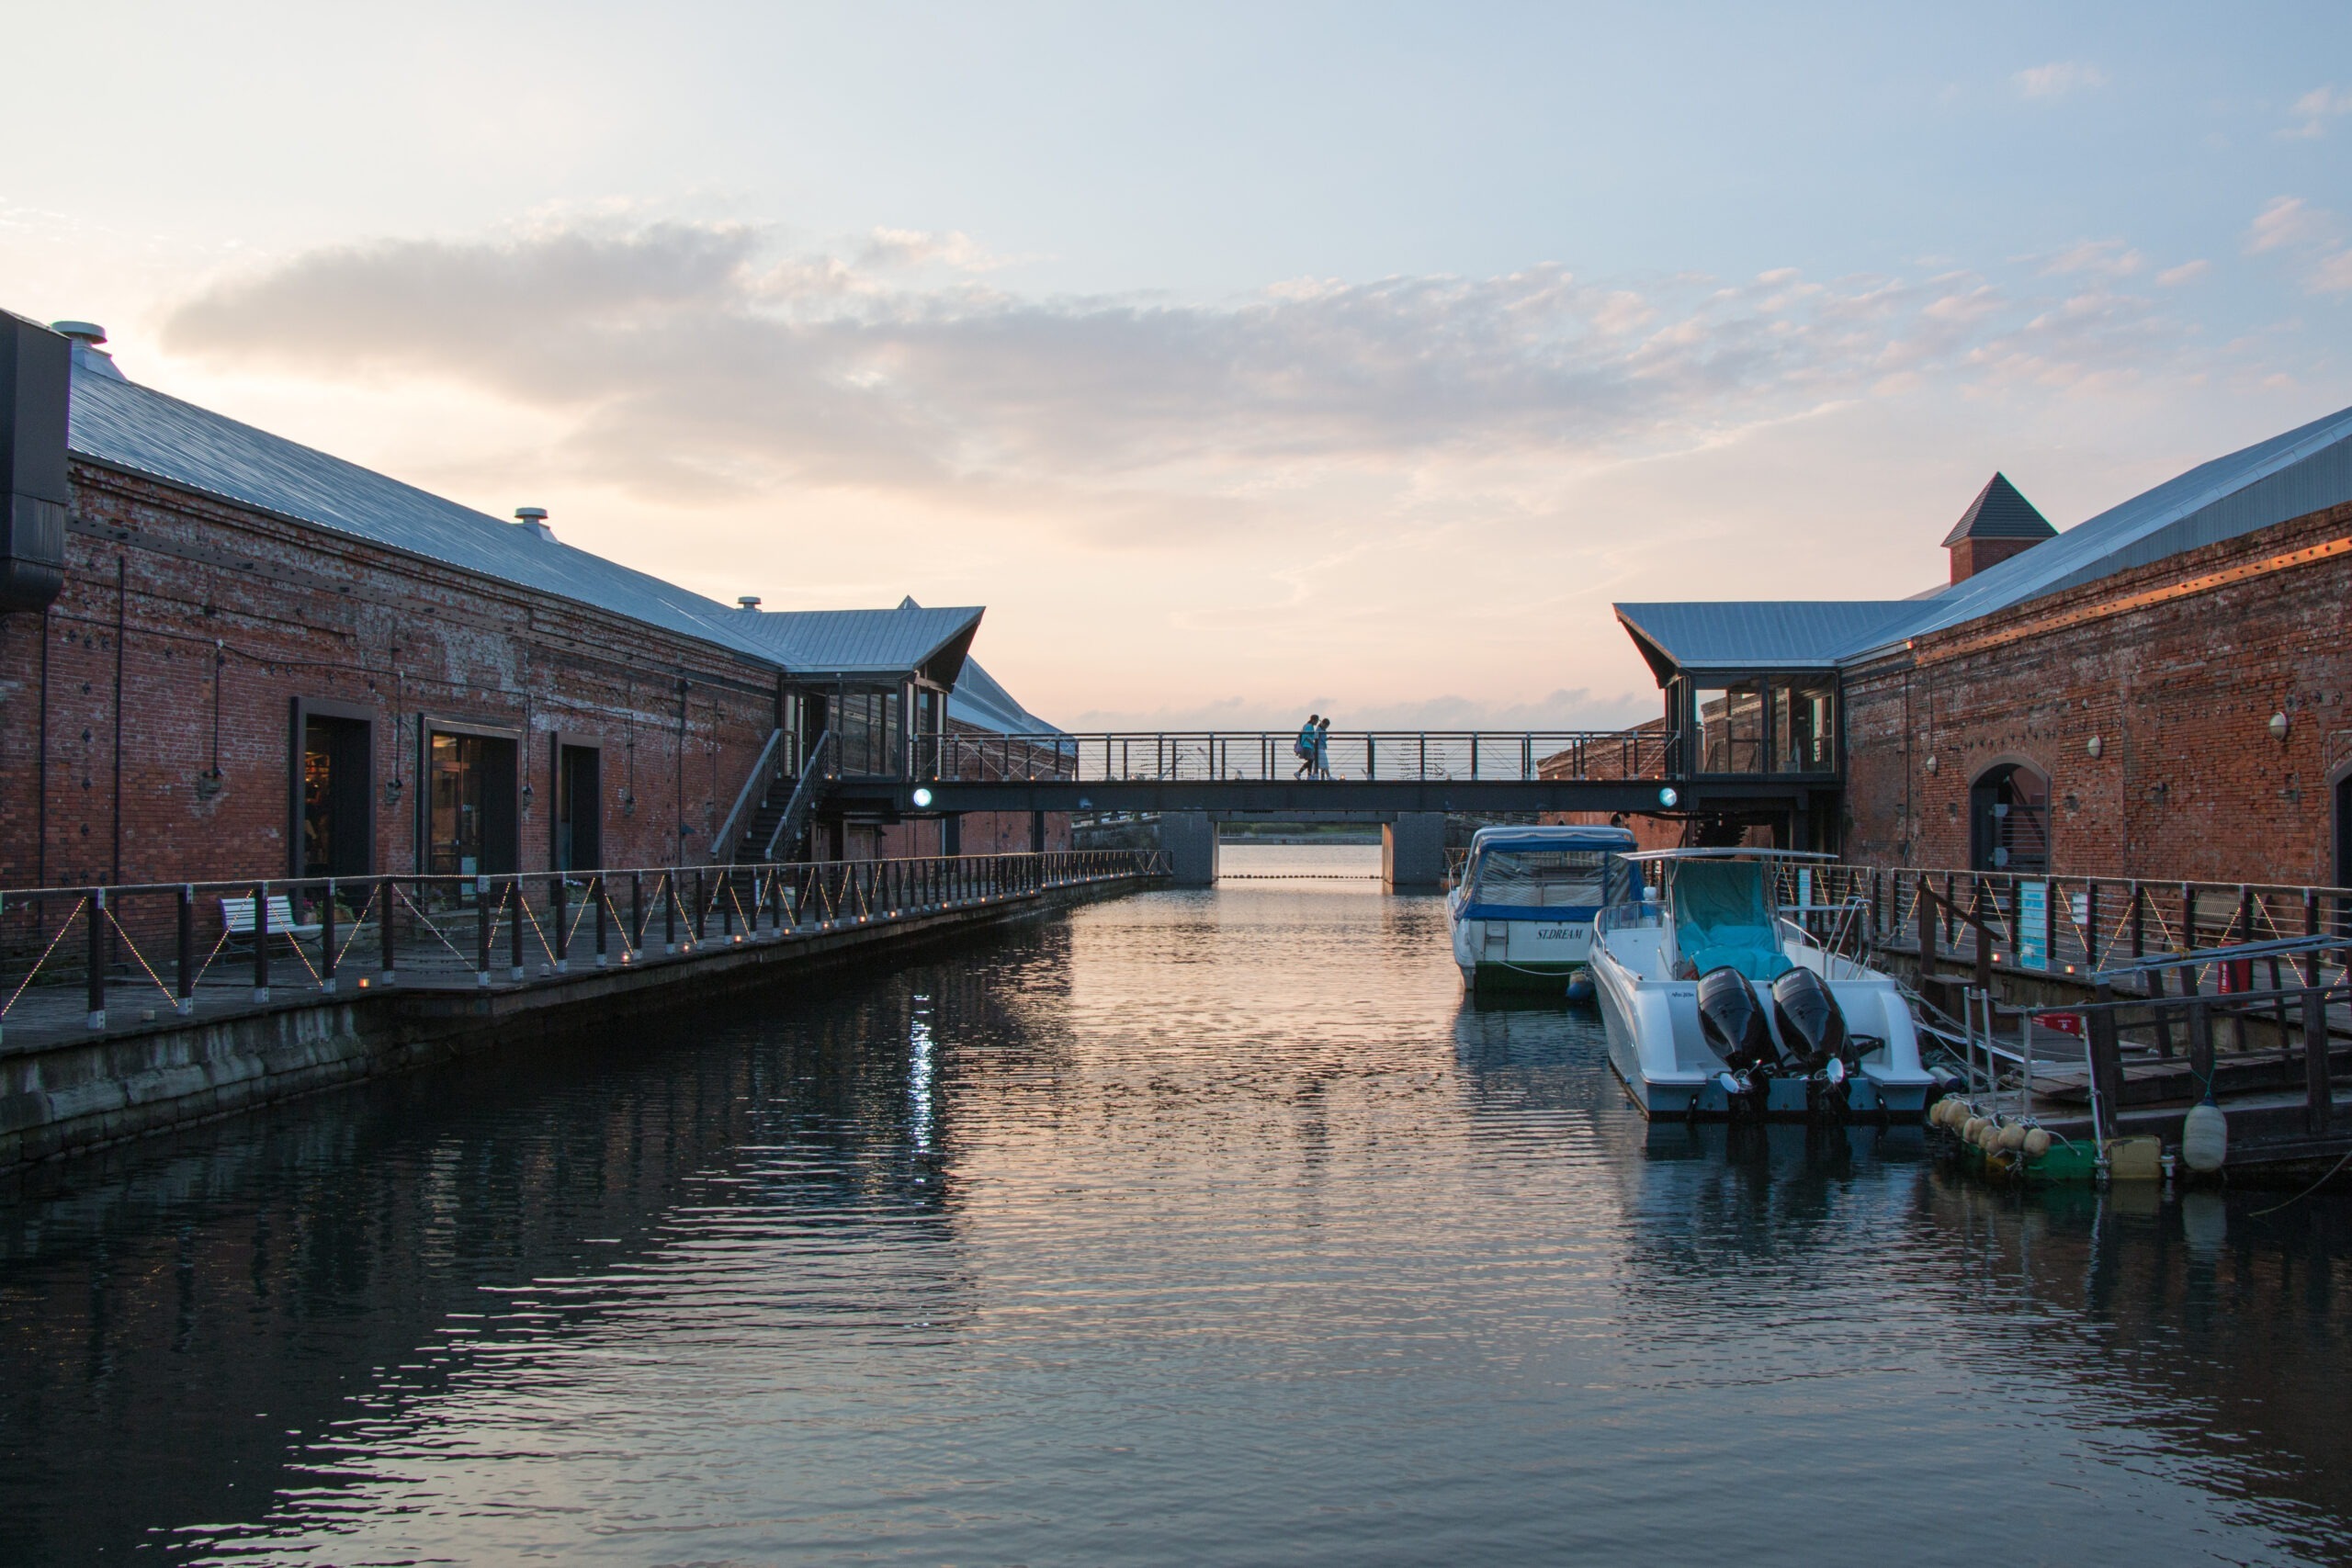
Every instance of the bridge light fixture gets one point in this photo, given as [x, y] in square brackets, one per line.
[1668, 796]
[922, 798]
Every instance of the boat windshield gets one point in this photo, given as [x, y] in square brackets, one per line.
[1723, 915]
[1549, 879]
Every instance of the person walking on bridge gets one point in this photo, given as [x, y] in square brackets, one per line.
[1303, 748]
[1323, 747]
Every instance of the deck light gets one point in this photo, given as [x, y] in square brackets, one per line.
[1666, 796]
[922, 798]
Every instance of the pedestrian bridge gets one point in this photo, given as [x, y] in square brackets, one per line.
[1391, 776]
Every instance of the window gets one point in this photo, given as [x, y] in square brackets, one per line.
[1731, 727]
[470, 805]
[2008, 829]
[1803, 736]
[867, 723]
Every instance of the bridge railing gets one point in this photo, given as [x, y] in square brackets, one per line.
[1269, 756]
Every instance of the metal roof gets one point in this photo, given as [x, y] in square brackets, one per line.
[1999, 511]
[118, 421]
[1754, 634]
[2304, 470]
[865, 643]
[978, 699]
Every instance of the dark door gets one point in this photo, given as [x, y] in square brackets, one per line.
[579, 810]
[470, 805]
[2344, 831]
[337, 827]
[2008, 828]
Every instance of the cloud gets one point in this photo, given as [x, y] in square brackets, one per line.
[2106, 258]
[2187, 272]
[698, 360]
[2312, 234]
[2314, 109]
[2057, 79]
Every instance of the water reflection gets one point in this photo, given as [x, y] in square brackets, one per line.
[1204, 1226]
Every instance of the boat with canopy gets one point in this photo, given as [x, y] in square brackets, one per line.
[1720, 1003]
[1523, 909]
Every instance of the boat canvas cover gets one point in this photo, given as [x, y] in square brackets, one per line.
[1722, 916]
[1531, 876]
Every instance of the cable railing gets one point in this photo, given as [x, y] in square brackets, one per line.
[2091, 927]
[1270, 756]
[134, 953]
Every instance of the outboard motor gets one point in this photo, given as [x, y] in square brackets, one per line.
[1731, 1021]
[1811, 1026]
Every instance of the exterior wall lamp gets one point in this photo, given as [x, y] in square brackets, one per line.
[2096, 747]
[2279, 726]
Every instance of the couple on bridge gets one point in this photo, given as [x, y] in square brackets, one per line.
[1313, 748]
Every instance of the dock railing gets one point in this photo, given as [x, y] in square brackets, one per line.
[155, 948]
[1267, 756]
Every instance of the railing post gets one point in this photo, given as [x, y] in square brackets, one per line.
[556, 921]
[514, 927]
[388, 903]
[2106, 1064]
[2090, 923]
[94, 982]
[184, 991]
[1924, 908]
[700, 923]
[483, 914]
[727, 906]
[1983, 937]
[261, 941]
[596, 892]
[2318, 1096]
[326, 940]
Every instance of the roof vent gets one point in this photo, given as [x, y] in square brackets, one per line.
[747, 602]
[534, 518]
[87, 336]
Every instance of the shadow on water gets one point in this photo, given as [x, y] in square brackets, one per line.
[1210, 1226]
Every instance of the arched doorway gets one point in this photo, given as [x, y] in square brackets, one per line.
[2008, 820]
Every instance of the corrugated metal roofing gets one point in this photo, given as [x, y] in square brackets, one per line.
[1999, 511]
[1757, 633]
[863, 643]
[979, 699]
[2304, 470]
[121, 423]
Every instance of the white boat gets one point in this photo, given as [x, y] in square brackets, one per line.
[1718, 1003]
[1523, 909]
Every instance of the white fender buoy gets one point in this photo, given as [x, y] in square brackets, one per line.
[2037, 1144]
[1975, 1128]
[2013, 1136]
[2205, 1137]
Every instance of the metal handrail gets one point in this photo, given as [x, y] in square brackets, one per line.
[756, 787]
[814, 776]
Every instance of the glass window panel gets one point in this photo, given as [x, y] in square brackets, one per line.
[1731, 727]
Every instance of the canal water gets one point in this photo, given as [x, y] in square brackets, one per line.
[1192, 1227]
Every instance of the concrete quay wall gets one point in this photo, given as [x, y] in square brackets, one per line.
[60, 1098]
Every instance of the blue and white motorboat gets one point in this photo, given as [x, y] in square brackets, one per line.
[1718, 1004]
[1523, 909]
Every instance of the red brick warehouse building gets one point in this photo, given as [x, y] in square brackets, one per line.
[227, 655]
[2157, 692]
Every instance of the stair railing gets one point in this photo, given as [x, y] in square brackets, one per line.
[817, 774]
[755, 789]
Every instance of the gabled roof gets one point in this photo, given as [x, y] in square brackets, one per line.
[119, 423]
[1999, 511]
[866, 645]
[1734, 635]
[2304, 470]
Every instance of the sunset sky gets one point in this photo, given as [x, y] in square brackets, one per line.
[1242, 359]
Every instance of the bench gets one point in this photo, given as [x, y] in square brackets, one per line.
[237, 917]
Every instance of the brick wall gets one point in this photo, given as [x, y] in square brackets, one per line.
[198, 607]
[2178, 668]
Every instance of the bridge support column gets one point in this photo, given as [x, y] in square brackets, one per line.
[1189, 839]
[1412, 852]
